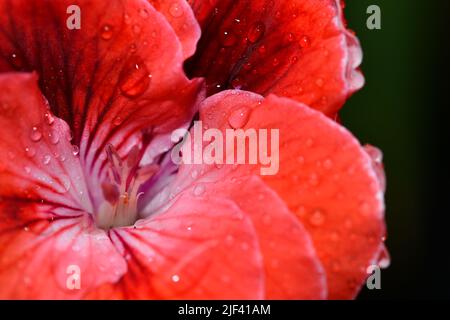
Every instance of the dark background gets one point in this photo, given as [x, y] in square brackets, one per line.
[404, 111]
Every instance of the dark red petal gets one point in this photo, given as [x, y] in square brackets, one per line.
[37, 161]
[293, 48]
[325, 177]
[43, 246]
[180, 16]
[200, 248]
[108, 80]
[292, 269]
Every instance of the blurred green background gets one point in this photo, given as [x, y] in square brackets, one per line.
[402, 110]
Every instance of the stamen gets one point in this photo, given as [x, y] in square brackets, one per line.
[121, 191]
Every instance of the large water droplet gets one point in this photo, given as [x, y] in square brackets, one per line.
[35, 134]
[135, 80]
[175, 278]
[239, 117]
[256, 32]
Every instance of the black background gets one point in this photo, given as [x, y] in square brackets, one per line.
[403, 109]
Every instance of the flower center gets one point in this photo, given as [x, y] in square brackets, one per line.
[121, 188]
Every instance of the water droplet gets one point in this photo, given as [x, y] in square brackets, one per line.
[175, 10]
[305, 42]
[16, 61]
[375, 154]
[228, 39]
[384, 260]
[290, 37]
[27, 170]
[75, 150]
[46, 159]
[106, 32]
[317, 218]
[117, 121]
[199, 190]
[175, 278]
[35, 135]
[65, 184]
[136, 29]
[143, 13]
[50, 119]
[53, 137]
[30, 152]
[239, 117]
[256, 32]
[328, 164]
[135, 80]
[320, 82]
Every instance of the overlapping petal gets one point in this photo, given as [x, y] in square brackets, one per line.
[110, 79]
[199, 248]
[46, 233]
[299, 49]
[325, 177]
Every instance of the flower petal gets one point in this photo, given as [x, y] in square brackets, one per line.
[293, 48]
[37, 161]
[180, 16]
[325, 177]
[200, 248]
[108, 80]
[43, 248]
[292, 269]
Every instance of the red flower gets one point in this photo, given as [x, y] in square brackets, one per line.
[91, 203]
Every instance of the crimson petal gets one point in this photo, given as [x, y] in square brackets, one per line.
[298, 49]
[109, 80]
[325, 177]
[199, 248]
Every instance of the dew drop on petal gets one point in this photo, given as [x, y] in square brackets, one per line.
[30, 152]
[256, 32]
[35, 134]
[199, 190]
[53, 137]
[305, 42]
[176, 278]
[75, 150]
[317, 218]
[239, 117]
[228, 39]
[49, 118]
[143, 13]
[46, 159]
[384, 260]
[106, 32]
[135, 80]
[175, 10]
